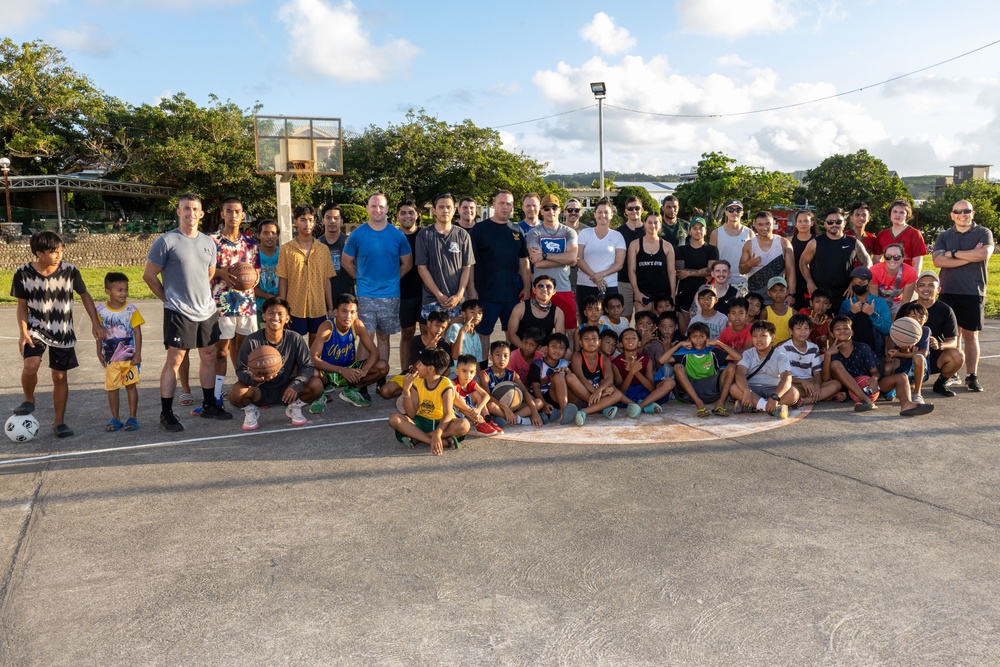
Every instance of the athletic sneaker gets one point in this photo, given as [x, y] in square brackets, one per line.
[941, 387]
[363, 392]
[568, 414]
[355, 398]
[485, 429]
[196, 412]
[972, 383]
[213, 411]
[581, 418]
[250, 418]
[633, 410]
[497, 429]
[318, 405]
[294, 412]
[170, 422]
[780, 412]
[611, 412]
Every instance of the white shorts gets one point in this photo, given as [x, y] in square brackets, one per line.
[243, 325]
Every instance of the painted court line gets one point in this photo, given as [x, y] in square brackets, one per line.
[242, 434]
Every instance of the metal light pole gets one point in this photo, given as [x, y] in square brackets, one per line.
[600, 91]
[5, 165]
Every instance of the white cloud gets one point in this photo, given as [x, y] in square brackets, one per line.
[165, 95]
[19, 13]
[88, 39]
[606, 36]
[735, 18]
[330, 41]
[730, 60]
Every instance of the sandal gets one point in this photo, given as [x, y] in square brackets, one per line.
[703, 412]
[114, 425]
[720, 411]
[131, 424]
[186, 399]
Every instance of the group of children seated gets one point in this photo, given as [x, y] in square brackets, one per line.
[763, 358]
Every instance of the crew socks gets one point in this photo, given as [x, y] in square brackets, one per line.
[219, 381]
[166, 405]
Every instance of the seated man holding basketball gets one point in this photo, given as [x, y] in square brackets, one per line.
[335, 355]
[265, 378]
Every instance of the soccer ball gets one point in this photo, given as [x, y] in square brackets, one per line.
[21, 428]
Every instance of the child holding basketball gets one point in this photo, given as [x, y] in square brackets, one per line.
[471, 399]
[547, 379]
[428, 401]
[498, 372]
[121, 350]
[295, 384]
[911, 359]
[49, 282]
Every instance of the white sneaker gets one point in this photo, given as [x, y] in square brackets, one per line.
[294, 412]
[250, 416]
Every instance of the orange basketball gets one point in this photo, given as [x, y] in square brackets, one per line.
[244, 275]
[264, 363]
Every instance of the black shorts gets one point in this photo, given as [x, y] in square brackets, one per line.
[550, 399]
[185, 334]
[409, 312]
[968, 310]
[270, 396]
[60, 358]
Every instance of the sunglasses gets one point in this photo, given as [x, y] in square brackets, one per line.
[961, 211]
[572, 210]
[734, 209]
[544, 286]
[550, 207]
[834, 222]
[633, 208]
[893, 258]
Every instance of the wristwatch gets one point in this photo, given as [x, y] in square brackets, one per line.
[545, 255]
[776, 397]
[953, 254]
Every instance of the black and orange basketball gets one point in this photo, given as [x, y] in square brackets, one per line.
[244, 275]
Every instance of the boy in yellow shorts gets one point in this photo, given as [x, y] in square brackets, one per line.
[121, 350]
[429, 400]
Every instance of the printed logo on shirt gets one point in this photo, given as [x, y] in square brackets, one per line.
[552, 246]
[453, 247]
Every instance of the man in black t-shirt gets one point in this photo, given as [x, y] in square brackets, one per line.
[411, 288]
[945, 356]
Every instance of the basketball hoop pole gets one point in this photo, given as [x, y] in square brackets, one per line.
[283, 191]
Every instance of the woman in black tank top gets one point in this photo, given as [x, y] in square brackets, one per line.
[651, 265]
[538, 311]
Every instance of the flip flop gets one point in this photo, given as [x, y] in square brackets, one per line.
[62, 431]
[703, 412]
[917, 410]
[186, 399]
[26, 408]
[113, 425]
[720, 411]
[131, 424]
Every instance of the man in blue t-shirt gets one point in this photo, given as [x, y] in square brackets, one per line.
[501, 259]
[376, 255]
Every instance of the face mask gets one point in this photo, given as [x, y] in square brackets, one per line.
[860, 289]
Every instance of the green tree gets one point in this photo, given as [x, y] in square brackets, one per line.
[935, 214]
[49, 114]
[648, 203]
[840, 180]
[425, 156]
[721, 179]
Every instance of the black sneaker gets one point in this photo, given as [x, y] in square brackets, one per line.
[170, 422]
[941, 387]
[972, 383]
[364, 394]
[379, 383]
[213, 411]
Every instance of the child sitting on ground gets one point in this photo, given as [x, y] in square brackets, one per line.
[764, 376]
[592, 379]
[701, 371]
[668, 330]
[911, 360]
[609, 344]
[806, 360]
[472, 400]
[335, 353]
[121, 350]
[429, 338]
[737, 333]
[778, 313]
[428, 401]
[614, 306]
[715, 321]
[547, 380]
[498, 371]
[634, 376]
[819, 312]
[649, 343]
[529, 352]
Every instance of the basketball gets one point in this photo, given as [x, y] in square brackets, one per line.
[21, 428]
[244, 275]
[507, 393]
[905, 331]
[863, 383]
[264, 363]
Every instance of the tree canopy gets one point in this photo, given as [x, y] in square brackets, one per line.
[719, 181]
[840, 180]
[935, 214]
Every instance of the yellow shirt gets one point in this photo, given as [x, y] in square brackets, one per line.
[307, 275]
[430, 401]
[780, 322]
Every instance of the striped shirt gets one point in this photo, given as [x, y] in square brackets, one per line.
[50, 302]
[804, 364]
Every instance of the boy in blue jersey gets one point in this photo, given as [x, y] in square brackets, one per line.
[335, 355]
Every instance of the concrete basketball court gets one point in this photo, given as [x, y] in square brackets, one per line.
[832, 538]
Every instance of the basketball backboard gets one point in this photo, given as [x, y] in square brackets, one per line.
[298, 145]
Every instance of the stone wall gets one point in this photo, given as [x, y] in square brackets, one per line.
[85, 250]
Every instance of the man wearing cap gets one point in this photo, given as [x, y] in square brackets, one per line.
[870, 316]
[860, 216]
[731, 237]
[552, 251]
[962, 252]
[632, 230]
[501, 259]
[673, 229]
[829, 258]
[945, 357]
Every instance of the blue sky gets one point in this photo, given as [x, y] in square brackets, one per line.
[497, 64]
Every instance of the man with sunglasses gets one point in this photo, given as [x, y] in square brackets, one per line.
[572, 221]
[732, 236]
[633, 230]
[962, 252]
[552, 250]
[829, 258]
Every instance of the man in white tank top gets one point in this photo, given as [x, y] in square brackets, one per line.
[767, 256]
[730, 237]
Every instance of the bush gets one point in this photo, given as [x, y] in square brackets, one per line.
[648, 203]
[352, 214]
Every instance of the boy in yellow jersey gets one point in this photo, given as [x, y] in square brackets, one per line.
[429, 400]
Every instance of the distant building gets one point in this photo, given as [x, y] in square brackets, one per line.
[962, 173]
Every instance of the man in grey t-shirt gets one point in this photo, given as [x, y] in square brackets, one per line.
[444, 259]
[552, 251]
[962, 253]
[186, 259]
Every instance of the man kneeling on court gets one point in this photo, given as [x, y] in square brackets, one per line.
[294, 385]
